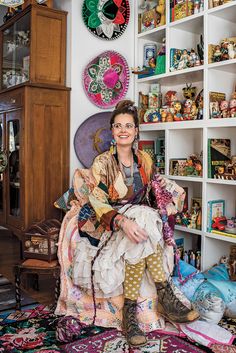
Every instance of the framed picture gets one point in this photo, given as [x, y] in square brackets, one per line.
[215, 208]
[177, 166]
[148, 146]
[196, 204]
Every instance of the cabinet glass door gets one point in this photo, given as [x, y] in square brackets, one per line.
[16, 52]
[13, 130]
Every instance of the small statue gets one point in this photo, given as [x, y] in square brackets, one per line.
[232, 108]
[224, 105]
[217, 54]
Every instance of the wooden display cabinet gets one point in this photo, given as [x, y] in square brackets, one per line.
[34, 117]
[34, 133]
[33, 46]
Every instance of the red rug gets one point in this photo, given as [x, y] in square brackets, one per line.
[114, 342]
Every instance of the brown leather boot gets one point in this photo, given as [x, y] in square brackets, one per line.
[171, 307]
[134, 335]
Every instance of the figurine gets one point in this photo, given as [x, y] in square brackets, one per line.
[170, 98]
[224, 51]
[199, 102]
[217, 54]
[193, 58]
[232, 108]
[224, 105]
[231, 50]
[189, 92]
[177, 109]
[194, 111]
[184, 60]
[187, 109]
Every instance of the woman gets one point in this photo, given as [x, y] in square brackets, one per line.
[131, 234]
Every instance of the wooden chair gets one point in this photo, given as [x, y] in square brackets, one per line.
[36, 267]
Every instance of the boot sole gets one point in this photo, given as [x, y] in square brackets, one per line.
[133, 345]
[171, 318]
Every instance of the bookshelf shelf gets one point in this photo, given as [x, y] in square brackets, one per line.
[222, 237]
[183, 138]
[190, 23]
[153, 34]
[188, 230]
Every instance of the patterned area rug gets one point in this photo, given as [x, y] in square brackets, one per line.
[113, 341]
[33, 330]
[7, 295]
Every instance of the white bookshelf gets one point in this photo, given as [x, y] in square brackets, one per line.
[186, 137]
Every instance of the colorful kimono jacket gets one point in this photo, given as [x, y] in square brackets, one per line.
[99, 189]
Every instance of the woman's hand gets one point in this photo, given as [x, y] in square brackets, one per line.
[132, 230]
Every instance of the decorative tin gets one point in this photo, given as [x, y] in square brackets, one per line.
[149, 53]
[40, 241]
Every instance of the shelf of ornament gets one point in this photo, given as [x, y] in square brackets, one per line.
[221, 181]
[188, 230]
[180, 76]
[155, 34]
[224, 11]
[221, 237]
[227, 65]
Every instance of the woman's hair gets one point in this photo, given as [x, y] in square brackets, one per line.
[125, 106]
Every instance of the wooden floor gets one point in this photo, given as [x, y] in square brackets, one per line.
[9, 256]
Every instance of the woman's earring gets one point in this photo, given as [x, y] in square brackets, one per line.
[135, 144]
[113, 146]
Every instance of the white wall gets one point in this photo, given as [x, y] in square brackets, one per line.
[82, 47]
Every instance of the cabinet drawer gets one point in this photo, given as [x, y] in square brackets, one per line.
[11, 101]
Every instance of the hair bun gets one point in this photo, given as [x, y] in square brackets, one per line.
[124, 104]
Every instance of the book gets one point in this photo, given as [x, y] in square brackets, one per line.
[215, 208]
[148, 146]
[223, 233]
[219, 152]
[217, 96]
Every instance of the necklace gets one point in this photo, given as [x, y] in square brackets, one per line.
[127, 173]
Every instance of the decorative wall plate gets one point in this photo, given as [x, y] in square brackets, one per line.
[106, 19]
[106, 79]
[93, 137]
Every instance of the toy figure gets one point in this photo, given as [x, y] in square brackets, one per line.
[193, 58]
[187, 109]
[231, 50]
[199, 102]
[224, 51]
[163, 112]
[169, 117]
[192, 259]
[194, 111]
[177, 109]
[224, 105]
[200, 49]
[184, 60]
[170, 98]
[217, 54]
[186, 257]
[189, 92]
[232, 108]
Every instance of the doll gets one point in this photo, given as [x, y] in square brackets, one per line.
[224, 105]
[232, 108]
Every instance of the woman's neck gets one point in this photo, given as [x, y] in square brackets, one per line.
[125, 155]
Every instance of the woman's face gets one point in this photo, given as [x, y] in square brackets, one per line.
[124, 130]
